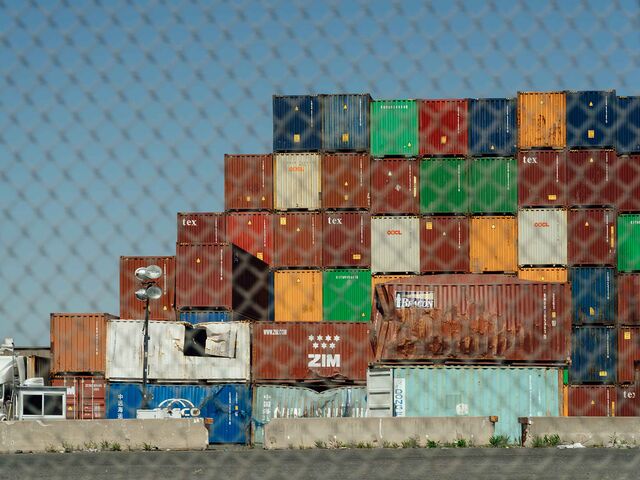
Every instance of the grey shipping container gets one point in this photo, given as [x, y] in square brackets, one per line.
[542, 237]
[345, 122]
[297, 183]
[395, 244]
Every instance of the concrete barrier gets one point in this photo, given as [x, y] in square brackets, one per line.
[589, 431]
[309, 432]
[56, 435]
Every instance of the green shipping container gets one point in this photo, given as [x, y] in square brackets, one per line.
[628, 243]
[394, 128]
[493, 185]
[443, 185]
[346, 295]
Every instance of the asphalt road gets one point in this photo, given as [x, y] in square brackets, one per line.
[404, 464]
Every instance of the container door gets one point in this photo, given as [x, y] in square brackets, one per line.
[380, 393]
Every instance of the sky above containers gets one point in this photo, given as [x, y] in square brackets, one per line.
[116, 115]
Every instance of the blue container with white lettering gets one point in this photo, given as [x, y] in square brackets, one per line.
[492, 126]
[202, 316]
[591, 119]
[345, 122]
[297, 123]
[593, 355]
[593, 295]
[628, 125]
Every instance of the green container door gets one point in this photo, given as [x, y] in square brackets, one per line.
[394, 128]
[346, 295]
[443, 185]
[493, 185]
[628, 243]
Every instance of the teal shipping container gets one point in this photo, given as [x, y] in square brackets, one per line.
[274, 401]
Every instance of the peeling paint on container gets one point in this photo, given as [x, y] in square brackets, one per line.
[493, 244]
[492, 126]
[395, 244]
[542, 119]
[444, 244]
[542, 237]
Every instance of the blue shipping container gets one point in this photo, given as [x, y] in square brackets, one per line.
[593, 355]
[628, 125]
[229, 405]
[593, 295]
[297, 123]
[591, 119]
[345, 122]
[492, 126]
[202, 316]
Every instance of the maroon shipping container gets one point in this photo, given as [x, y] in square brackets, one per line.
[628, 401]
[444, 244]
[202, 227]
[628, 179]
[628, 288]
[592, 236]
[460, 318]
[542, 178]
[628, 354]
[310, 352]
[346, 180]
[443, 127]
[248, 182]
[346, 239]
[222, 276]
[591, 177]
[85, 396]
[297, 239]
[253, 232]
[161, 309]
[592, 401]
[394, 186]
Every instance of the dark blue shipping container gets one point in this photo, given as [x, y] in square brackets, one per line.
[628, 125]
[297, 123]
[492, 126]
[593, 355]
[591, 119]
[345, 122]
[229, 405]
[202, 316]
[593, 295]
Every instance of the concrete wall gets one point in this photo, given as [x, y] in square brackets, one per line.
[43, 436]
[305, 432]
[589, 431]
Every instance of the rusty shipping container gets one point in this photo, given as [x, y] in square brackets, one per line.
[628, 354]
[248, 182]
[542, 178]
[444, 244]
[346, 180]
[297, 181]
[627, 175]
[163, 308]
[592, 236]
[493, 244]
[443, 127]
[394, 186]
[542, 119]
[592, 401]
[297, 296]
[628, 401]
[85, 396]
[628, 299]
[253, 232]
[202, 227]
[460, 318]
[297, 239]
[378, 279]
[545, 275]
[78, 342]
[395, 244]
[591, 177]
[346, 239]
[311, 352]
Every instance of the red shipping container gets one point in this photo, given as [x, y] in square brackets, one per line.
[394, 186]
[346, 239]
[133, 309]
[85, 396]
[443, 127]
[592, 178]
[542, 178]
[298, 239]
[253, 232]
[202, 227]
[310, 352]
[592, 401]
[444, 244]
[628, 178]
[248, 182]
[591, 236]
[628, 353]
[346, 180]
[628, 288]
[628, 401]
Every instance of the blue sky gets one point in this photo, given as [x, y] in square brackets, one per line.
[115, 115]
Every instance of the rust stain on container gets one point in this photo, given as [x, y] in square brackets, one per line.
[592, 178]
[628, 298]
[163, 308]
[628, 354]
[542, 178]
[85, 396]
[378, 279]
[297, 239]
[395, 186]
[592, 401]
[592, 236]
[298, 296]
[346, 180]
[542, 119]
[443, 127]
[547, 275]
[493, 244]
[346, 239]
[202, 227]
[444, 244]
[627, 176]
[248, 182]
[253, 232]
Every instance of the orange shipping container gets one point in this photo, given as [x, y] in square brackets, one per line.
[548, 275]
[298, 296]
[494, 244]
[542, 119]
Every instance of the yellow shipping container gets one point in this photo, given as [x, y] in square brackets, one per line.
[550, 275]
[494, 244]
[542, 119]
[298, 296]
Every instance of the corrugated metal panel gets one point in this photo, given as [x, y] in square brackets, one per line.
[628, 401]
[628, 131]
[205, 316]
[492, 126]
[550, 275]
[297, 181]
[395, 244]
[160, 309]
[444, 244]
[380, 392]
[394, 128]
[276, 401]
[628, 354]
[493, 185]
[492, 244]
[593, 355]
[253, 232]
[443, 127]
[346, 180]
[506, 392]
[592, 401]
[542, 119]
[248, 182]
[297, 239]
[591, 118]
[542, 178]
[394, 186]
[297, 123]
[229, 405]
[593, 294]
[628, 243]
[345, 122]
[542, 237]
[346, 239]
[443, 185]
[298, 296]
[202, 227]
[227, 350]
[592, 236]
[628, 299]
[85, 396]
[378, 279]
[592, 178]
[627, 176]
[346, 295]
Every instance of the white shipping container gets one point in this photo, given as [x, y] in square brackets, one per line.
[297, 182]
[542, 237]
[226, 357]
[395, 244]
